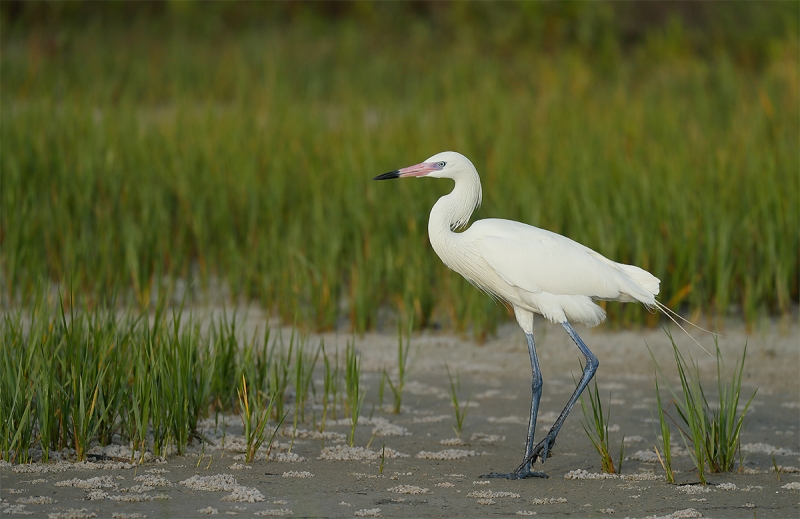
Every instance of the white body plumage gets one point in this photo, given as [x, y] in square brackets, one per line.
[532, 269]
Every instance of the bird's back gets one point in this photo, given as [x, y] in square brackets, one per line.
[550, 272]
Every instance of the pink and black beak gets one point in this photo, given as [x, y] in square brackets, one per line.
[418, 170]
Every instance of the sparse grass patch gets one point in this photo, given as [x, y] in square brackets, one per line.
[460, 408]
[305, 362]
[665, 454]
[331, 383]
[279, 380]
[713, 435]
[402, 360]
[776, 468]
[596, 428]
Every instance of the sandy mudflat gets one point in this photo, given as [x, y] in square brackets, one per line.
[428, 472]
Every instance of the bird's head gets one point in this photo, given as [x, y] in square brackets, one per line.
[456, 207]
[447, 164]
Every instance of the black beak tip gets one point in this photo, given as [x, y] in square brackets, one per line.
[389, 175]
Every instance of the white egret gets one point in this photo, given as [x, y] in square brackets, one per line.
[533, 270]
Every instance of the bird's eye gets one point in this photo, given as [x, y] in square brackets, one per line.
[441, 164]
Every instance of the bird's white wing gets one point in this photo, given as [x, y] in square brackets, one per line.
[537, 260]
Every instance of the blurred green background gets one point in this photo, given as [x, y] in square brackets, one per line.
[147, 145]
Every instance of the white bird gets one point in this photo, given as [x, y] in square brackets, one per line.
[533, 270]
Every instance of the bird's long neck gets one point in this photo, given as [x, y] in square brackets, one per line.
[452, 211]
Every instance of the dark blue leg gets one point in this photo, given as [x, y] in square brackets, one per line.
[524, 470]
[542, 449]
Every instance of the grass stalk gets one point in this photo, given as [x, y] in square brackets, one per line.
[16, 399]
[596, 428]
[402, 361]
[84, 419]
[330, 384]
[303, 381]
[776, 468]
[665, 455]
[279, 381]
[382, 388]
[459, 408]
[255, 416]
[355, 397]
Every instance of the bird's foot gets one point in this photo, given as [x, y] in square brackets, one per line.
[542, 451]
[517, 474]
[543, 448]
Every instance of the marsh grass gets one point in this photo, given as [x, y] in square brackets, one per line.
[352, 380]
[712, 434]
[18, 394]
[279, 380]
[178, 161]
[665, 454]
[382, 388]
[255, 413]
[776, 468]
[402, 361]
[72, 376]
[596, 427]
[304, 364]
[224, 337]
[241, 163]
[331, 384]
[460, 408]
[140, 406]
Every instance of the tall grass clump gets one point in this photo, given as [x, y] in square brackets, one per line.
[175, 366]
[712, 429]
[183, 380]
[255, 414]
[231, 153]
[16, 394]
[224, 338]
[73, 376]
